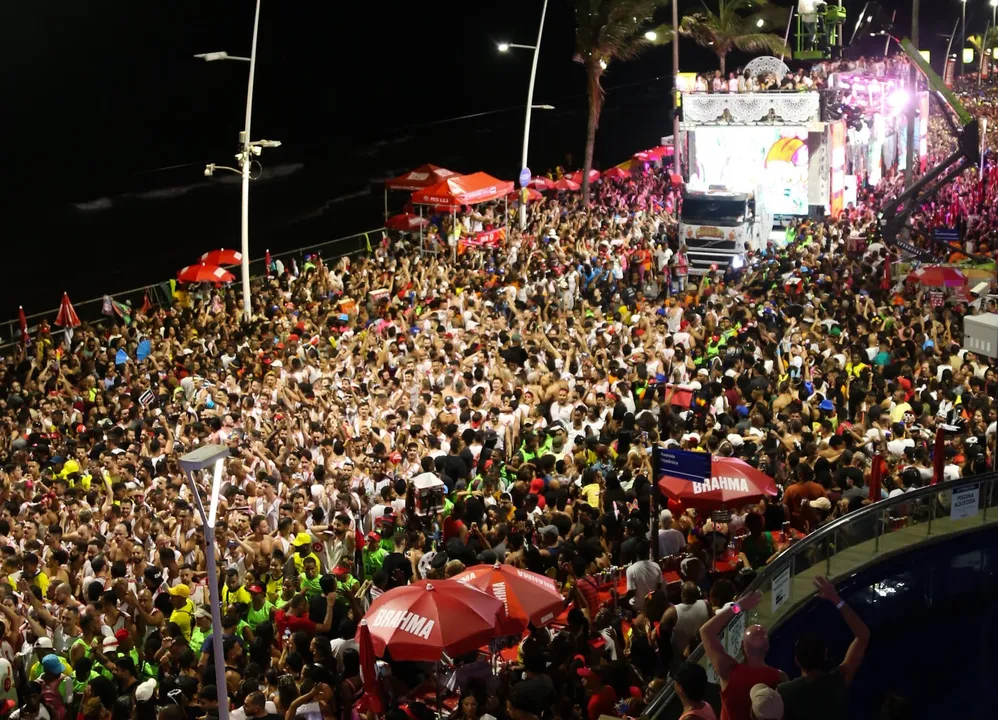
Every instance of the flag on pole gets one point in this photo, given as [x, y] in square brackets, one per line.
[23, 322]
[267, 260]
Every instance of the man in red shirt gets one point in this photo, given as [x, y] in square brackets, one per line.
[738, 678]
[602, 698]
[294, 617]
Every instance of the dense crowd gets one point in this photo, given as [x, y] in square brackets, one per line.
[532, 378]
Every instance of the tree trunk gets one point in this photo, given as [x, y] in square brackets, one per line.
[722, 56]
[593, 74]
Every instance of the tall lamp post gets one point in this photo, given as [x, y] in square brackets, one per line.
[504, 47]
[963, 34]
[193, 463]
[676, 164]
[248, 149]
[910, 154]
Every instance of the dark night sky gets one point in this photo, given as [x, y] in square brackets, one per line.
[99, 95]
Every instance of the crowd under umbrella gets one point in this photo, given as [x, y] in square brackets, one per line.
[204, 273]
[528, 598]
[222, 257]
[67, 317]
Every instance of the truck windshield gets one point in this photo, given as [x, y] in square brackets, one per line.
[713, 211]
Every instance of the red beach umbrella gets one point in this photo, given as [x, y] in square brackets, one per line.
[204, 273]
[420, 621]
[732, 483]
[526, 596]
[222, 257]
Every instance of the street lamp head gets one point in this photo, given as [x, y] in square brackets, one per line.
[209, 169]
[503, 47]
[268, 143]
[651, 36]
[543, 107]
[213, 56]
[602, 64]
[994, 3]
[760, 22]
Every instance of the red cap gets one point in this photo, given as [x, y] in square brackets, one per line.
[340, 571]
[121, 635]
[585, 672]
[536, 486]
[374, 536]
[255, 589]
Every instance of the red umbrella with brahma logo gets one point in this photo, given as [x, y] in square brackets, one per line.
[526, 596]
[732, 483]
[420, 621]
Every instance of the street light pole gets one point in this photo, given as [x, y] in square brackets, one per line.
[530, 106]
[963, 35]
[910, 154]
[211, 457]
[676, 164]
[245, 167]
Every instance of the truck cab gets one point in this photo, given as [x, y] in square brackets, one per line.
[719, 227]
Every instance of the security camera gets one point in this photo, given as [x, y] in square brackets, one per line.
[209, 169]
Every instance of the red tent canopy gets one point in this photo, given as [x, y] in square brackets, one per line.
[421, 177]
[463, 190]
[406, 222]
[937, 276]
[732, 483]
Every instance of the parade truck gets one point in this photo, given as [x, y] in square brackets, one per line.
[719, 227]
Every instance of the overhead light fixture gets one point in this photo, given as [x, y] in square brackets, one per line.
[651, 36]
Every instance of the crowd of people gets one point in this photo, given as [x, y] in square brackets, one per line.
[533, 377]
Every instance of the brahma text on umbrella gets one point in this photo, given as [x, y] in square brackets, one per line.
[405, 621]
[721, 482]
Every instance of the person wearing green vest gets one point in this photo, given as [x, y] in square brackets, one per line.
[201, 629]
[344, 581]
[261, 609]
[309, 578]
[374, 555]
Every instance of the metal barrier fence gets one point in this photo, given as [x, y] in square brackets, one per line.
[847, 544]
[90, 311]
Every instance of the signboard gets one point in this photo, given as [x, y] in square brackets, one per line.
[946, 235]
[721, 516]
[937, 299]
[733, 635]
[682, 464]
[781, 588]
[524, 177]
[968, 55]
[965, 502]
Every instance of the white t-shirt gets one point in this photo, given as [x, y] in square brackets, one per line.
[643, 577]
[8, 691]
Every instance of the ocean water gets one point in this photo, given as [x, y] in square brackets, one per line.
[148, 230]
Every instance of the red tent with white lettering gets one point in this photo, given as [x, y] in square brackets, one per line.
[418, 622]
[422, 177]
[732, 483]
[470, 189]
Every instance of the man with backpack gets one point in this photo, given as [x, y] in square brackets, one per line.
[56, 687]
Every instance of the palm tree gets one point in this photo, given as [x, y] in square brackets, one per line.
[605, 31]
[737, 24]
[982, 46]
